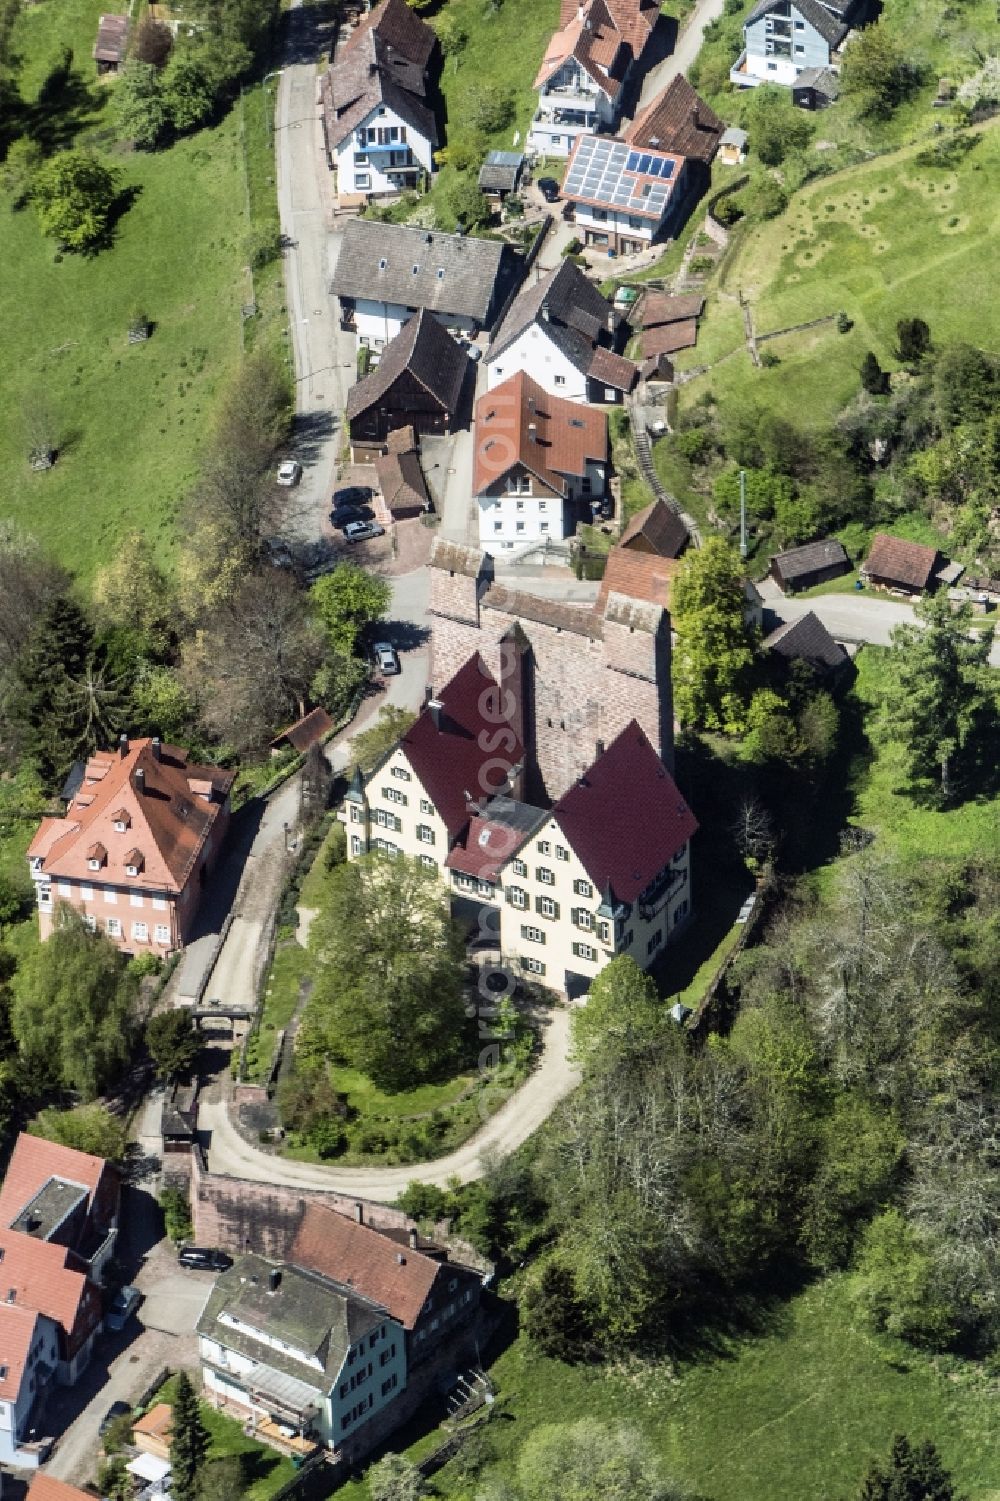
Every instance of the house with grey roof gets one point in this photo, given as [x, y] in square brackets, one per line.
[387, 272]
[306, 1362]
[811, 564]
[418, 384]
[500, 174]
[807, 640]
[379, 129]
[784, 38]
[566, 337]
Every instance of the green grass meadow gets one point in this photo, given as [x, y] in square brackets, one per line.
[129, 420]
[882, 241]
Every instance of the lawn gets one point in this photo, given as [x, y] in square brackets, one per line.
[913, 831]
[881, 241]
[264, 1470]
[794, 1411]
[130, 420]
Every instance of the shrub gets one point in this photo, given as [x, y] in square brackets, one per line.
[769, 359]
[176, 1214]
[701, 265]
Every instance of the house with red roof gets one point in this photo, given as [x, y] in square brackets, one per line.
[603, 871]
[582, 77]
[540, 464]
[29, 1355]
[136, 844]
[57, 1194]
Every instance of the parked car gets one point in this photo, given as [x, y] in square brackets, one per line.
[361, 531]
[115, 1411]
[386, 659]
[352, 495]
[126, 1301]
[289, 473]
[346, 514]
[549, 189]
[204, 1259]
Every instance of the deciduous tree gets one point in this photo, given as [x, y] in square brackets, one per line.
[346, 601]
[713, 654]
[139, 110]
[74, 193]
[153, 42]
[878, 73]
[173, 1042]
[87, 1128]
[588, 1461]
[394, 1478]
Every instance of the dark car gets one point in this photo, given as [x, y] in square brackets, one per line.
[204, 1259]
[549, 189]
[352, 495]
[344, 515]
[115, 1411]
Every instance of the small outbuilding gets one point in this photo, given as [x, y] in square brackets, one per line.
[895, 563]
[304, 732]
[815, 88]
[401, 481]
[805, 567]
[111, 44]
[500, 174]
[733, 146]
[151, 1434]
[806, 640]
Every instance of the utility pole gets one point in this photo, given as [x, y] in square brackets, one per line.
[743, 513]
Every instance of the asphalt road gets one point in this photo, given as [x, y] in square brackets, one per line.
[516, 1120]
[686, 49]
[852, 617]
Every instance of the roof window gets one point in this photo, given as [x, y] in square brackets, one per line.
[383, 263]
[484, 837]
[416, 270]
[440, 273]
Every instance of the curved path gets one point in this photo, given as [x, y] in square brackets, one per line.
[525, 1110]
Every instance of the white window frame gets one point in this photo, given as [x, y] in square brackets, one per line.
[140, 932]
[162, 933]
[113, 927]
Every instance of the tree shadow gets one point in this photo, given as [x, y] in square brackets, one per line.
[123, 201]
[65, 105]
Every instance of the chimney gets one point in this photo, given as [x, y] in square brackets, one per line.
[436, 706]
[155, 747]
[274, 1279]
[359, 1212]
[413, 1240]
[140, 780]
[123, 745]
[400, 1258]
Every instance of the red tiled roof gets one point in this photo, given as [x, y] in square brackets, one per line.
[639, 575]
[520, 423]
[485, 846]
[457, 762]
[36, 1271]
[17, 1329]
[33, 1162]
[667, 338]
[369, 1263]
[47, 1488]
[625, 818]
[168, 819]
[659, 307]
[896, 561]
[656, 528]
[612, 369]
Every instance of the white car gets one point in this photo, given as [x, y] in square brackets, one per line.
[386, 659]
[360, 531]
[289, 473]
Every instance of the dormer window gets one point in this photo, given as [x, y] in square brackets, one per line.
[134, 862]
[122, 820]
[96, 856]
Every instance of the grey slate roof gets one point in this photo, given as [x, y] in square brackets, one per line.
[367, 76]
[572, 311]
[429, 353]
[810, 558]
[807, 639]
[500, 171]
[307, 1311]
[823, 80]
[830, 27]
[422, 268]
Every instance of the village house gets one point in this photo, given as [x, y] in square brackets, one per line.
[783, 38]
[581, 81]
[895, 563]
[418, 384]
[540, 464]
[386, 273]
[112, 44]
[303, 1360]
[566, 337]
[135, 847]
[680, 122]
[402, 488]
[811, 564]
[379, 128]
[624, 198]
[29, 1355]
[805, 640]
[644, 560]
[569, 886]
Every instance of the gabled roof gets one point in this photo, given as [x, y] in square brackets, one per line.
[657, 308]
[399, 28]
[368, 75]
[678, 120]
[401, 480]
[830, 26]
[595, 42]
[456, 274]
[170, 817]
[900, 562]
[501, 171]
[637, 575]
[667, 338]
[306, 731]
[612, 369]
[608, 173]
[39, 1274]
[445, 746]
[35, 1160]
[17, 1331]
[494, 837]
[47, 1488]
[559, 297]
[625, 818]
[518, 423]
[427, 351]
[657, 529]
[812, 557]
[806, 639]
[112, 39]
[397, 1280]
